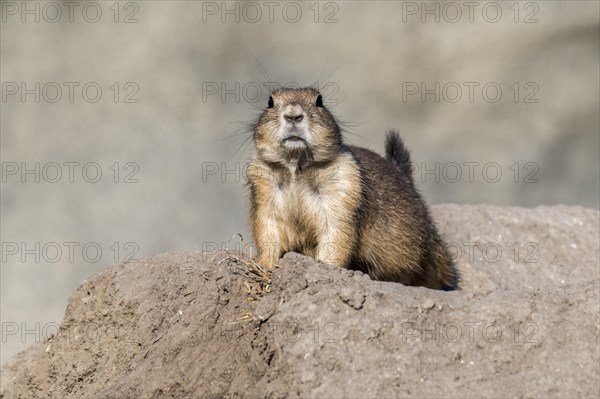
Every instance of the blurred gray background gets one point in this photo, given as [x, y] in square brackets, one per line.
[180, 80]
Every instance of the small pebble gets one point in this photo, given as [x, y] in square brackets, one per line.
[428, 304]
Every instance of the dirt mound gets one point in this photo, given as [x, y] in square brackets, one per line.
[179, 325]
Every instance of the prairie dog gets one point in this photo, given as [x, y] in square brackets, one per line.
[347, 206]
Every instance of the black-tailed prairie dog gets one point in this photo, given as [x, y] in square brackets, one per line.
[347, 206]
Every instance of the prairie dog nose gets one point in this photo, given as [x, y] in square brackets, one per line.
[293, 113]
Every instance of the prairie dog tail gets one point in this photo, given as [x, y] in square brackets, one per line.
[396, 152]
[442, 274]
[447, 275]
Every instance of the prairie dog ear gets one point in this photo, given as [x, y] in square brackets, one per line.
[319, 102]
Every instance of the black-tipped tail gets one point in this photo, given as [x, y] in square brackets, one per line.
[452, 280]
[396, 152]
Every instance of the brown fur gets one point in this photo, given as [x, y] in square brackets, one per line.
[343, 205]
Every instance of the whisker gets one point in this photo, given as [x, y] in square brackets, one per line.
[328, 76]
[263, 70]
[244, 144]
[323, 69]
[248, 142]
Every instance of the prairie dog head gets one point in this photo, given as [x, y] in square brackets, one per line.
[296, 128]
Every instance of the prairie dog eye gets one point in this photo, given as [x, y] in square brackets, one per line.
[271, 103]
[319, 101]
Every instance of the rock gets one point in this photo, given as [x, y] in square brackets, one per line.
[352, 298]
[428, 304]
[524, 323]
